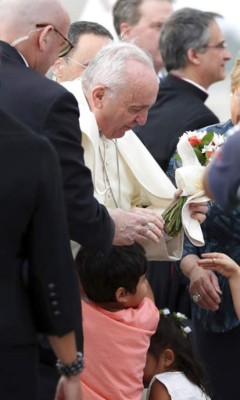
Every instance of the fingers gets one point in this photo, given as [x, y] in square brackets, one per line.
[198, 211]
[213, 260]
[215, 283]
[207, 298]
[214, 255]
[207, 262]
[130, 227]
[204, 285]
[149, 231]
[153, 216]
[199, 217]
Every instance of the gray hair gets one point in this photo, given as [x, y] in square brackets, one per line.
[185, 29]
[108, 68]
[128, 11]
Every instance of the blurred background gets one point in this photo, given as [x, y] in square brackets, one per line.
[101, 11]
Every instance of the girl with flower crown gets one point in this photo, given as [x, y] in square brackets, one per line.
[172, 368]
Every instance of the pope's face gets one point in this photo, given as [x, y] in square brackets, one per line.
[120, 111]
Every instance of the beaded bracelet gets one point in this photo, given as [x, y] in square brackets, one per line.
[71, 369]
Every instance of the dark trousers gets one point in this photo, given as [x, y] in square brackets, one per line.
[169, 287]
[19, 373]
[220, 355]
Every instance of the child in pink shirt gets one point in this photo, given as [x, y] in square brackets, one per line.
[118, 321]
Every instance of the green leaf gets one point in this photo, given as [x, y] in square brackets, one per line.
[177, 157]
[200, 155]
[206, 139]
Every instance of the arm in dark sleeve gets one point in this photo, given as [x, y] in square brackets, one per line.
[89, 221]
[53, 283]
[224, 173]
[189, 248]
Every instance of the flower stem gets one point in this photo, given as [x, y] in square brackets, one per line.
[172, 217]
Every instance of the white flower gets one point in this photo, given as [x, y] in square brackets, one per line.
[180, 315]
[209, 148]
[166, 311]
[187, 329]
[218, 139]
[216, 142]
[196, 134]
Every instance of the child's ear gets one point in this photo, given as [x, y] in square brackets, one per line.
[168, 357]
[121, 295]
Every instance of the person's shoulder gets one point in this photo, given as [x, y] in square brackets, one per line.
[46, 85]
[232, 145]
[14, 130]
[220, 128]
[15, 137]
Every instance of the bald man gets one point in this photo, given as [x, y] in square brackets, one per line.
[32, 36]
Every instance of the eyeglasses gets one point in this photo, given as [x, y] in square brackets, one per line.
[66, 46]
[76, 62]
[220, 46]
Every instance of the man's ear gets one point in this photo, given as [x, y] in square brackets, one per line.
[168, 357]
[121, 295]
[57, 67]
[124, 29]
[193, 56]
[44, 37]
[98, 94]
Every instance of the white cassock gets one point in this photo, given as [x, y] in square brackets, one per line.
[125, 175]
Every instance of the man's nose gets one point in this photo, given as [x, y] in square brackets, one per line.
[141, 117]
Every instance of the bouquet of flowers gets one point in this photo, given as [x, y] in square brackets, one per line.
[194, 150]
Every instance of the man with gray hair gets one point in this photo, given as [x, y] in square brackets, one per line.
[114, 94]
[194, 54]
[87, 38]
[33, 33]
[140, 22]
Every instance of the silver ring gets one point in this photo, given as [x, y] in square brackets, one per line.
[196, 297]
[149, 226]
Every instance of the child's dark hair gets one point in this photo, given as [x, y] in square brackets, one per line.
[101, 275]
[170, 334]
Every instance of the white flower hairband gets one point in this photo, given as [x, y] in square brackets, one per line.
[179, 317]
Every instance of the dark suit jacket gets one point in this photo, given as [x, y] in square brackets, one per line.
[50, 110]
[179, 107]
[34, 228]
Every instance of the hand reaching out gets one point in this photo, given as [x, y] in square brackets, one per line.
[219, 262]
[227, 267]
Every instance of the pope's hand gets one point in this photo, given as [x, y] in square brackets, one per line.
[135, 225]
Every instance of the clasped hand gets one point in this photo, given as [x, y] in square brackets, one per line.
[137, 224]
